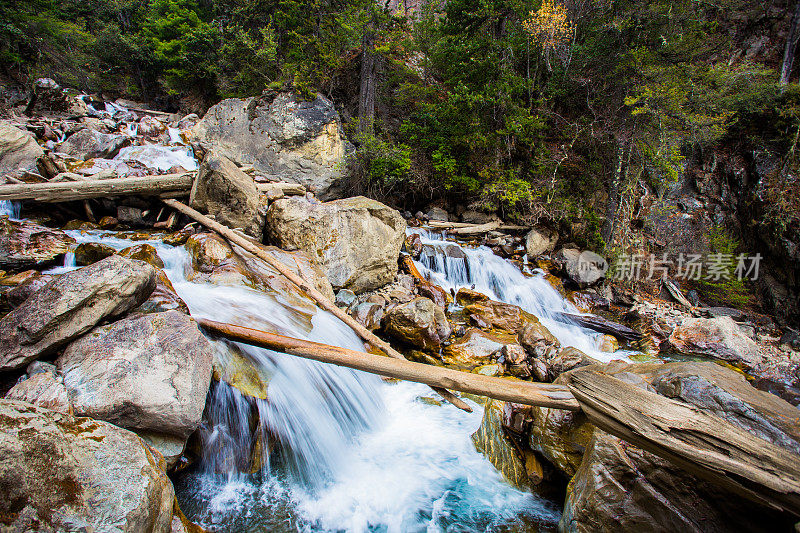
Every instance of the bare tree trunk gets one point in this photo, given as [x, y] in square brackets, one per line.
[791, 45]
[613, 194]
[370, 68]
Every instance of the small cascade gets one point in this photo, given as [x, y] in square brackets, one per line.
[10, 209]
[452, 266]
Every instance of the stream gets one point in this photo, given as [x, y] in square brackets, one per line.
[354, 453]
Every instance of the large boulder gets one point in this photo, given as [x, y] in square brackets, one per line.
[25, 244]
[419, 323]
[720, 338]
[283, 137]
[50, 98]
[147, 372]
[42, 386]
[621, 487]
[227, 193]
[89, 144]
[71, 305]
[540, 241]
[62, 473]
[356, 240]
[18, 149]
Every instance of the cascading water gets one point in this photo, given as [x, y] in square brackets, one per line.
[353, 453]
[453, 266]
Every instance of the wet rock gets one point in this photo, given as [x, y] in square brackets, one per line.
[560, 436]
[179, 237]
[345, 298]
[18, 149]
[89, 253]
[607, 343]
[188, 122]
[720, 338]
[70, 306]
[143, 252]
[420, 323]
[368, 315]
[90, 144]
[434, 292]
[22, 292]
[150, 127]
[413, 245]
[44, 387]
[540, 241]
[356, 241]
[500, 315]
[520, 470]
[108, 222]
[25, 244]
[475, 348]
[147, 372]
[62, 473]
[169, 446]
[790, 340]
[236, 369]
[515, 360]
[281, 135]
[538, 341]
[80, 225]
[437, 213]
[567, 359]
[467, 296]
[163, 298]
[222, 190]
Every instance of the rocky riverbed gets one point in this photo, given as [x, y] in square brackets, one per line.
[112, 393]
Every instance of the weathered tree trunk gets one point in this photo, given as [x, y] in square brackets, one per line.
[527, 393]
[68, 191]
[791, 46]
[317, 296]
[370, 69]
[701, 443]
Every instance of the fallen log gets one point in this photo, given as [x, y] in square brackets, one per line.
[68, 191]
[438, 224]
[602, 325]
[701, 443]
[475, 230]
[281, 188]
[255, 249]
[524, 392]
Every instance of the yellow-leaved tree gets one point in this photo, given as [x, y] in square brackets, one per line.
[551, 28]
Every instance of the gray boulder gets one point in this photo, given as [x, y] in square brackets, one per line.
[18, 149]
[540, 241]
[356, 240]
[721, 338]
[584, 268]
[89, 144]
[146, 372]
[222, 190]
[62, 473]
[70, 306]
[283, 137]
[437, 213]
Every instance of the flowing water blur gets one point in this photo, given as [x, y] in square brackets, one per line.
[354, 453]
[453, 266]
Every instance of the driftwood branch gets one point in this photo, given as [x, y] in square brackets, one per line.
[317, 296]
[603, 325]
[701, 443]
[68, 191]
[438, 224]
[541, 394]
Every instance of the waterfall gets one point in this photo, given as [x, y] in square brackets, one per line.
[10, 209]
[453, 266]
[351, 452]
